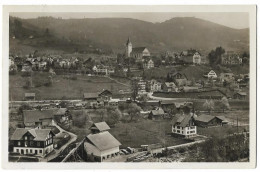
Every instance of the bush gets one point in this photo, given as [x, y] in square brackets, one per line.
[182, 150]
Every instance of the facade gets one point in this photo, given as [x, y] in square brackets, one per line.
[141, 86]
[103, 70]
[101, 146]
[183, 125]
[155, 86]
[38, 142]
[148, 64]
[196, 58]
[212, 74]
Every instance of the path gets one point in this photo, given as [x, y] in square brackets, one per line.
[56, 153]
[118, 81]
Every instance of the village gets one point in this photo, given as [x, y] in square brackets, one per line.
[132, 107]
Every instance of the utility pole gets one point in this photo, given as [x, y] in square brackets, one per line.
[237, 124]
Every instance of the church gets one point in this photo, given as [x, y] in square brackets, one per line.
[139, 53]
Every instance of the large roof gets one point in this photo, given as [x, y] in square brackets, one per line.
[158, 112]
[101, 126]
[181, 120]
[103, 140]
[90, 95]
[204, 118]
[38, 134]
[35, 115]
[138, 49]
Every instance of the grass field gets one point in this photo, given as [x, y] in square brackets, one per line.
[63, 88]
[145, 132]
[220, 132]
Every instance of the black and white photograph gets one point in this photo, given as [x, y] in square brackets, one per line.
[108, 86]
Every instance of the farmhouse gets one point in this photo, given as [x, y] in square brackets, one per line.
[29, 96]
[101, 146]
[183, 125]
[44, 118]
[240, 95]
[196, 58]
[169, 87]
[90, 96]
[156, 114]
[99, 127]
[209, 121]
[147, 64]
[105, 95]
[155, 86]
[231, 58]
[212, 74]
[38, 142]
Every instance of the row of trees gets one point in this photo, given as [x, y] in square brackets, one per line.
[209, 105]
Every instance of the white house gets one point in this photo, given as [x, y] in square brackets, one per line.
[155, 86]
[148, 64]
[196, 58]
[212, 74]
[101, 146]
[183, 125]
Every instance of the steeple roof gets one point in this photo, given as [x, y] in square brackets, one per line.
[128, 41]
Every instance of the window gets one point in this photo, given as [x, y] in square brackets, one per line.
[17, 150]
[31, 143]
[30, 150]
[40, 151]
[19, 143]
[38, 143]
[25, 137]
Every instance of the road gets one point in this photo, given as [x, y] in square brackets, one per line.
[56, 153]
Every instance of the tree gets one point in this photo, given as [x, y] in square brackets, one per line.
[215, 56]
[209, 105]
[133, 110]
[134, 88]
[224, 104]
[113, 116]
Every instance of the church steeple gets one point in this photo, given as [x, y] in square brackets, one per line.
[128, 49]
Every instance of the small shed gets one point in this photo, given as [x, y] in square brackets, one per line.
[29, 96]
[240, 95]
[156, 114]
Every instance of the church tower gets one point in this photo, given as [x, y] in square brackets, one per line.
[128, 49]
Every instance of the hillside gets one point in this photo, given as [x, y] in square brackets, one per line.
[110, 34]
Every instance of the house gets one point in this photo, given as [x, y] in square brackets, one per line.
[141, 86]
[184, 126]
[138, 53]
[177, 75]
[226, 77]
[90, 96]
[155, 86]
[156, 114]
[11, 61]
[103, 70]
[99, 127]
[231, 58]
[212, 74]
[101, 146]
[44, 118]
[29, 96]
[38, 142]
[196, 58]
[209, 121]
[169, 87]
[27, 66]
[147, 64]
[105, 95]
[240, 95]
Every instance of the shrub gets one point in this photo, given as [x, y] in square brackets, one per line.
[182, 150]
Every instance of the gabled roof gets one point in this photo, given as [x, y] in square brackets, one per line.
[101, 126]
[181, 120]
[32, 116]
[138, 49]
[242, 93]
[158, 112]
[90, 95]
[204, 118]
[103, 140]
[170, 84]
[38, 134]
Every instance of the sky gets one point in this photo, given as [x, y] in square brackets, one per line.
[237, 20]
